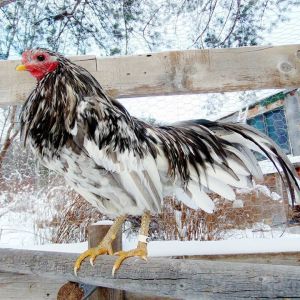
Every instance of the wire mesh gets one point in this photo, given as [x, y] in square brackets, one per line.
[263, 211]
[54, 213]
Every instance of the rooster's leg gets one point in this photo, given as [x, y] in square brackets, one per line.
[141, 249]
[104, 247]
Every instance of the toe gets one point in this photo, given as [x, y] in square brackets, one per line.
[95, 253]
[92, 253]
[119, 253]
[79, 260]
[126, 254]
[118, 263]
[110, 251]
[92, 259]
[122, 256]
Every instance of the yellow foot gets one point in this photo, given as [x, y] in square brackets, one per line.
[92, 253]
[139, 252]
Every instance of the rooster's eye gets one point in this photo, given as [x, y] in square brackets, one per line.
[40, 57]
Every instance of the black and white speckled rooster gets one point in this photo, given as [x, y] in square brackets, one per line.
[122, 165]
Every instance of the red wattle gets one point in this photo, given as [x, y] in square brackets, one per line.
[40, 70]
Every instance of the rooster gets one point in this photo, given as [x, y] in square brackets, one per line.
[122, 165]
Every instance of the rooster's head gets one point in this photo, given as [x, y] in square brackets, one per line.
[39, 62]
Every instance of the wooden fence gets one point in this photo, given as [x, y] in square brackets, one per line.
[179, 278]
[176, 72]
[38, 273]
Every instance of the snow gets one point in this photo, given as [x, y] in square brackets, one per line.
[268, 167]
[22, 220]
[16, 229]
[256, 188]
[275, 196]
[67, 248]
[259, 239]
[182, 248]
[238, 203]
[103, 222]
[241, 246]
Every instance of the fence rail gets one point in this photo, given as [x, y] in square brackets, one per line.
[179, 278]
[176, 72]
[15, 286]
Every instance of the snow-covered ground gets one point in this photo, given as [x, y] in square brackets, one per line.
[259, 239]
[290, 243]
[25, 218]
[18, 229]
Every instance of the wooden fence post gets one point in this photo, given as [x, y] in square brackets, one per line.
[96, 233]
[72, 290]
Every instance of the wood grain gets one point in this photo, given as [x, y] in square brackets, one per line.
[176, 72]
[20, 286]
[187, 279]
[278, 258]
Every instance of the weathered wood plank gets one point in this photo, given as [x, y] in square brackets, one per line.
[201, 71]
[141, 296]
[21, 286]
[188, 279]
[176, 72]
[279, 258]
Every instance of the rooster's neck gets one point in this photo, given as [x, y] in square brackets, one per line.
[50, 112]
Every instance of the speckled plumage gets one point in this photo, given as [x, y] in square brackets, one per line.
[123, 165]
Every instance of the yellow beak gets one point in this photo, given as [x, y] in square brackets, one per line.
[21, 68]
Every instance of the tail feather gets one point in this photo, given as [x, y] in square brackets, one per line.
[270, 150]
[248, 159]
[224, 151]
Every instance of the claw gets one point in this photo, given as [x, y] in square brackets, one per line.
[105, 246]
[93, 253]
[113, 271]
[139, 252]
[92, 261]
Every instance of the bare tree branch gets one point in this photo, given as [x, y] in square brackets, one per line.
[237, 16]
[148, 23]
[211, 13]
[61, 16]
[6, 2]
[11, 133]
[125, 25]
[226, 20]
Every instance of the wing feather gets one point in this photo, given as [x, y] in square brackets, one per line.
[136, 174]
[189, 160]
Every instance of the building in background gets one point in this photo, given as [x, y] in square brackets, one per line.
[278, 116]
